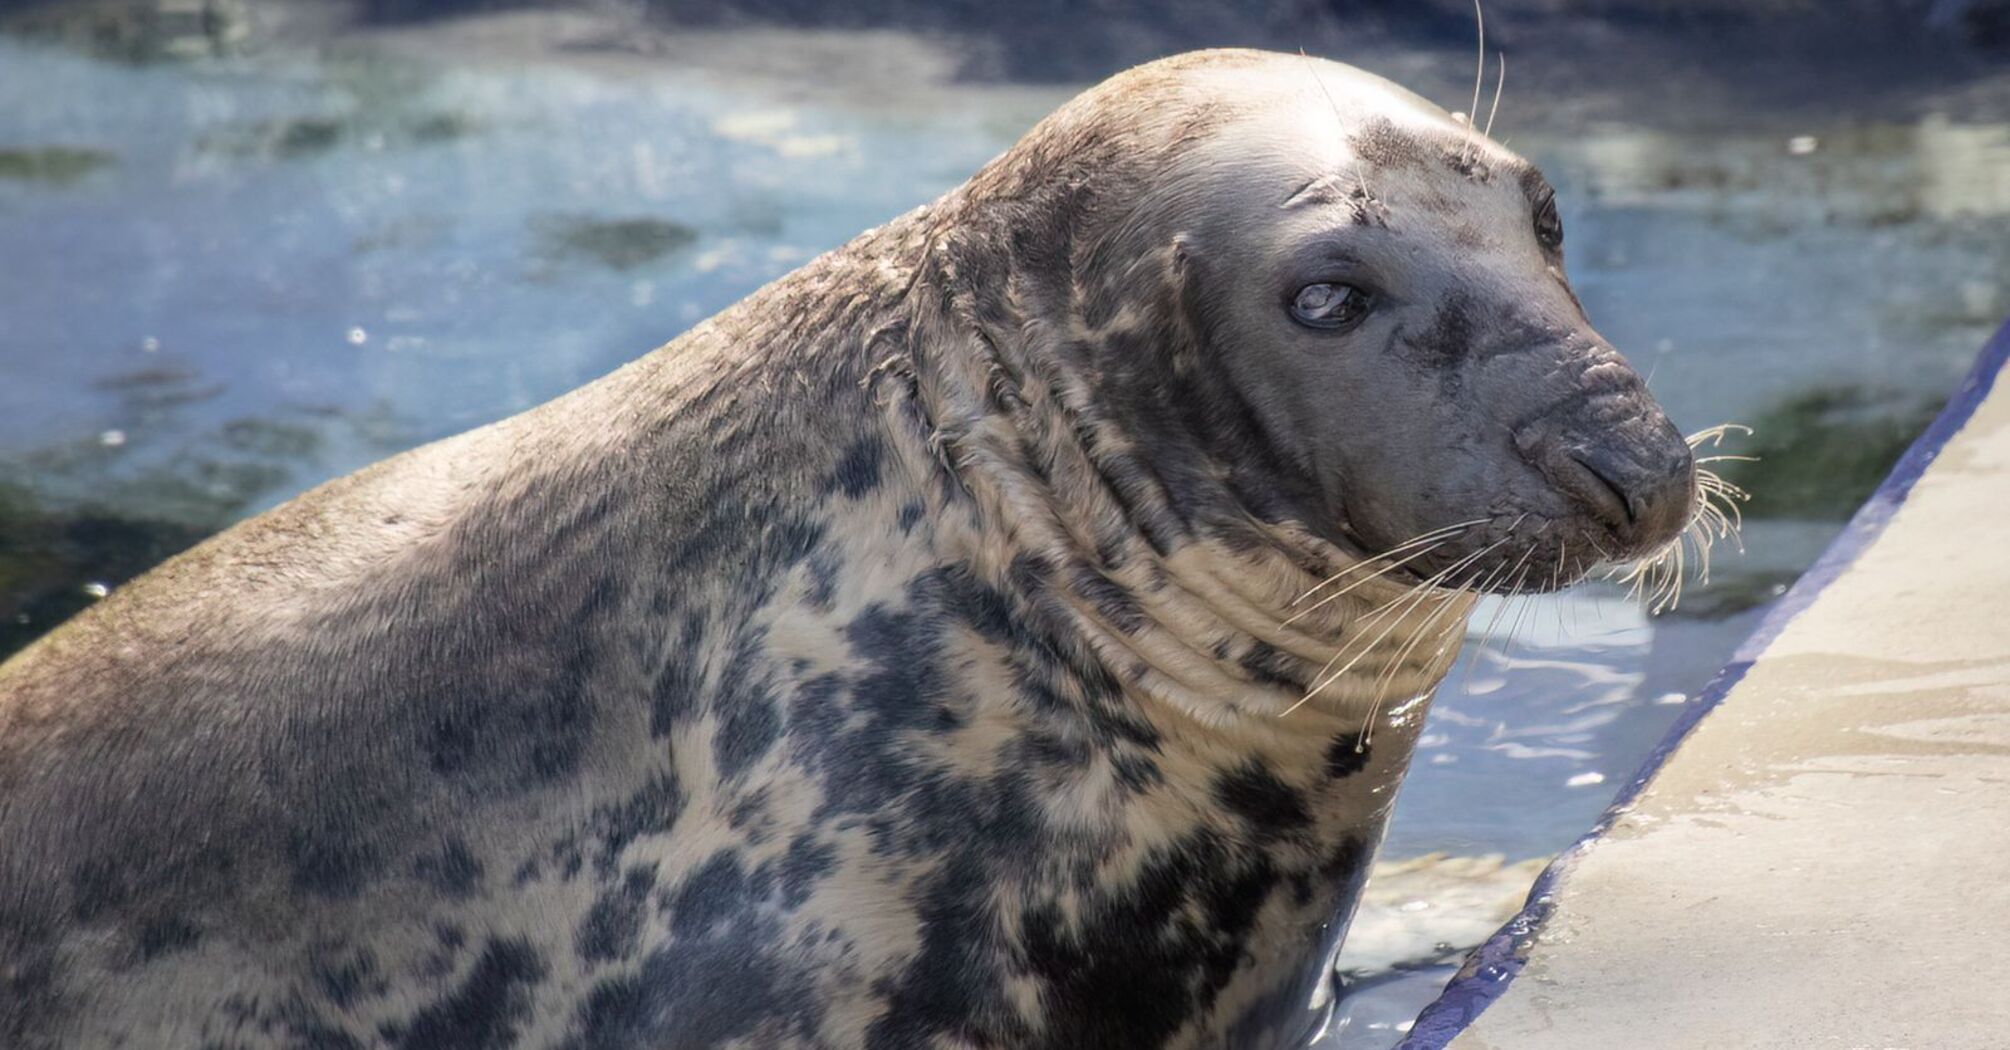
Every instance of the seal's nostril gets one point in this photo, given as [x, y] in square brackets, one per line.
[1643, 505]
[1582, 477]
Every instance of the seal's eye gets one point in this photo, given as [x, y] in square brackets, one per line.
[1328, 305]
[1548, 226]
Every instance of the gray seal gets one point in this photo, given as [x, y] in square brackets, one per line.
[1007, 630]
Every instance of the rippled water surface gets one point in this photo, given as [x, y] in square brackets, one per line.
[229, 279]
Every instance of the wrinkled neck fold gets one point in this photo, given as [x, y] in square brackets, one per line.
[1222, 621]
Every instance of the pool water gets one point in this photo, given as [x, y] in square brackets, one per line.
[228, 279]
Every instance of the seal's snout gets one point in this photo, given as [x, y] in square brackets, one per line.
[1637, 481]
[1645, 500]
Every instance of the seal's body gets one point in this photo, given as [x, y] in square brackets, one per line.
[907, 657]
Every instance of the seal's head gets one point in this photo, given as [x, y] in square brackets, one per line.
[1375, 334]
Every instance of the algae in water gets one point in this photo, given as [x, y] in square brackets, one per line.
[51, 165]
[1822, 452]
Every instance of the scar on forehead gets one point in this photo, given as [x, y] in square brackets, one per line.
[1330, 188]
[1348, 189]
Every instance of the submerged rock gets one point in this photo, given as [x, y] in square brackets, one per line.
[617, 244]
[1819, 454]
[53, 165]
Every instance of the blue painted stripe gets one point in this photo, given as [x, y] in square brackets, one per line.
[1494, 965]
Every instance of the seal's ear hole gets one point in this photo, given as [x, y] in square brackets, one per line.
[1180, 269]
[1184, 276]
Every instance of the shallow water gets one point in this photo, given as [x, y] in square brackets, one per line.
[227, 281]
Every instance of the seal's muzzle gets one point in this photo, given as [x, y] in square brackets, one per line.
[1636, 476]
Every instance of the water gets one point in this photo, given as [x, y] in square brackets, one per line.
[227, 280]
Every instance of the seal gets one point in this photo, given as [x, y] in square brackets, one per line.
[1007, 630]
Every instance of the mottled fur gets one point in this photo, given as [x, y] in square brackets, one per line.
[895, 660]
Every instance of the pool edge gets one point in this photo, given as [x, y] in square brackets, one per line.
[1493, 966]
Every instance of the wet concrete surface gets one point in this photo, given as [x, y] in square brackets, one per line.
[1820, 864]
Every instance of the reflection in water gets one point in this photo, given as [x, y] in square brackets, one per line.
[230, 280]
[1962, 168]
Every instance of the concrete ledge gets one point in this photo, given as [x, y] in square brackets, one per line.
[1818, 855]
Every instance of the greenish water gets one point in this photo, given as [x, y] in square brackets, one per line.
[54, 165]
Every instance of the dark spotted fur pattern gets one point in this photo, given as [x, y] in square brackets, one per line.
[894, 661]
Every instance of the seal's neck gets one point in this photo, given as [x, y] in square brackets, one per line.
[1252, 633]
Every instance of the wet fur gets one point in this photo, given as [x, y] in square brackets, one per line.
[893, 661]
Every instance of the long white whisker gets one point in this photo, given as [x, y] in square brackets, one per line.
[1387, 679]
[1715, 435]
[1507, 646]
[1361, 626]
[1479, 81]
[1314, 70]
[1370, 578]
[1522, 567]
[1444, 532]
[1499, 83]
[1466, 676]
[1659, 579]
[1422, 595]
[1423, 592]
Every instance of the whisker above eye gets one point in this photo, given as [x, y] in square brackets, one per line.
[1499, 83]
[1479, 81]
